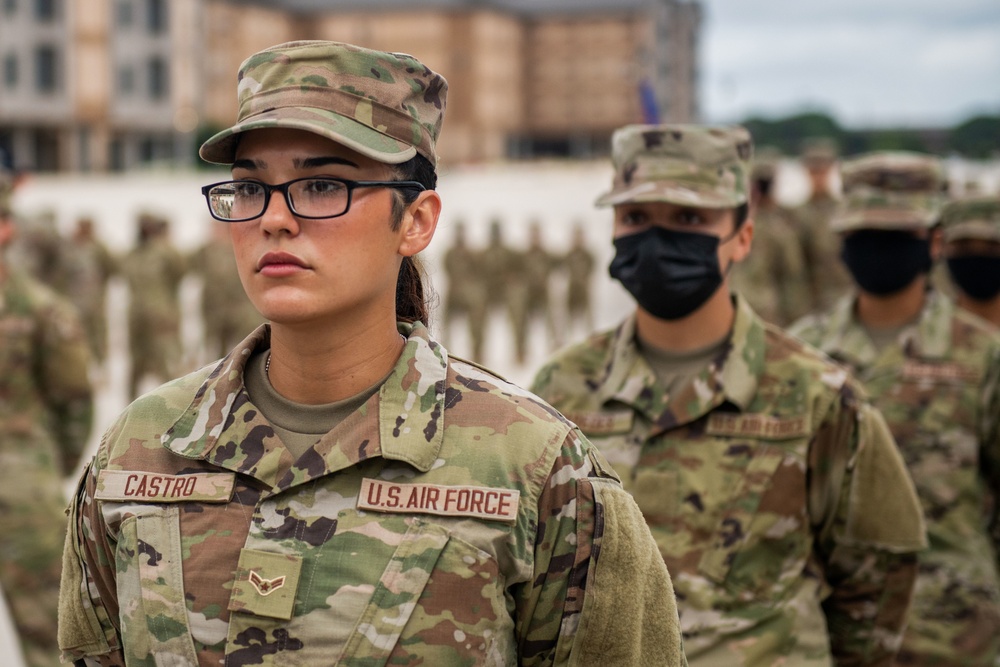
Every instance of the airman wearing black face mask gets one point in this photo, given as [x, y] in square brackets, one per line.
[933, 370]
[754, 459]
[971, 230]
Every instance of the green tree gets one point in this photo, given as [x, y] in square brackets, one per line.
[977, 137]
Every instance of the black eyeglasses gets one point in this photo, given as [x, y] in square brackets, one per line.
[314, 198]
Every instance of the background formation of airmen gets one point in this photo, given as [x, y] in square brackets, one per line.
[910, 305]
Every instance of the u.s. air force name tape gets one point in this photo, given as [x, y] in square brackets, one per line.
[459, 501]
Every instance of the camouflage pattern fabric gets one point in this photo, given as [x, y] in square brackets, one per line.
[388, 106]
[938, 389]
[771, 277]
[453, 519]
[686, 165]
[890, 190]
[972, 218]
[45, 418]
[758, 481]
[827, 276]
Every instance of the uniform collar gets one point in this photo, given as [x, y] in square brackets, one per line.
[733, 377]
[846, 338]
[404, 421]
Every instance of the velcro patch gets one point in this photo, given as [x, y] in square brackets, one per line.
[602, 423]
[757, 426]
[202, 487]
[473, 501]
[915, 370]
[266, 583]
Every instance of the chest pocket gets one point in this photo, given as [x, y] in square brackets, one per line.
[385, 589]
[726, 506]
[931, 409]
[148, 562]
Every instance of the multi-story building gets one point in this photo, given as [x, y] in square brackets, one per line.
[109, 84]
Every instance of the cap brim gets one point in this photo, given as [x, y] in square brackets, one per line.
[888, 218]
[972, 229]
[221, 148]
[671, 194]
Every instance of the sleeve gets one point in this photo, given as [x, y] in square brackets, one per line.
[989, 439]
[88, 608]
[63, 365]
[869, 557]
[600, 592]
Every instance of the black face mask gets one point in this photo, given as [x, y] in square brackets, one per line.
[884, 261]
[669, 273]
[976, 275]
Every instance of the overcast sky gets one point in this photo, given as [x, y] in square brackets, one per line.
[867, 62]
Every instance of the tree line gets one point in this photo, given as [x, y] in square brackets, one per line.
[976, 138]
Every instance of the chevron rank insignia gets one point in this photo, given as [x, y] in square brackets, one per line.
[265, 584]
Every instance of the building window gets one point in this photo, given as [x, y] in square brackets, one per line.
[46, 78]
[156, 16]
[10, 70]
[45, 10]
[157, 78]
[124, 16]
[126, 80]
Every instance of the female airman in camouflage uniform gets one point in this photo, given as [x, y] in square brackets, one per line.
[338, 490]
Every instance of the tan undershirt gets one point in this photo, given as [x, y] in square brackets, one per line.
[884, 337]
[297, 425]
[675, 370]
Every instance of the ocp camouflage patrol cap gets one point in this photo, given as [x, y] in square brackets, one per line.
[387, 106]
[687, 165]
[819, 152]
[972, 218]
[890, 190]
[766, 160]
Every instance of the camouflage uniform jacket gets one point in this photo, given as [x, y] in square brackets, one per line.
[46, 402]
[453, 519]
[938, 389]
[757, 480]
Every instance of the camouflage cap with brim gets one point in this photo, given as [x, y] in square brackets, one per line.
[387, 106]
[686, 165]
[819, 152]
[972, 218]
[890, 190]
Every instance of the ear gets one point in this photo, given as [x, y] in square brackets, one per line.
[419, 223]
[937, 244]
[743, 241]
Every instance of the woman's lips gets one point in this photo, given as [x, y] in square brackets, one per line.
[278, 264]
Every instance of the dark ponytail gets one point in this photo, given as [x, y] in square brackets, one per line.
[411, 298]
[411, 304]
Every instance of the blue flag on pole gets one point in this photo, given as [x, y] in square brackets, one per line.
[647, 99]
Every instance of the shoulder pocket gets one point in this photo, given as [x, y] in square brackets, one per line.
[626, 580]
[80, 632]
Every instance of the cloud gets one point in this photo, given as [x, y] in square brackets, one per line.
[911, 63]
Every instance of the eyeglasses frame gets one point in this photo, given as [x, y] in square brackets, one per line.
[283, 189]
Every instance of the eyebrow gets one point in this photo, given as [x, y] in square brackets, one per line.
[298, 163]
